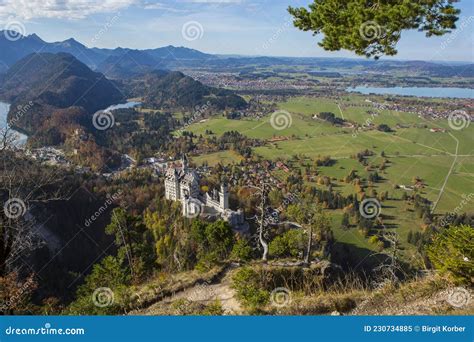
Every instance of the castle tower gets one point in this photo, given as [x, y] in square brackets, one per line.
[224, 197]
[184, 162]
[172, 186]
[185, 206]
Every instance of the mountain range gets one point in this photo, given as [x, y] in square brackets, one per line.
[95, 58]
[124, 62]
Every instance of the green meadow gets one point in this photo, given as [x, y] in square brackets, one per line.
[413, 151]
[223, 157]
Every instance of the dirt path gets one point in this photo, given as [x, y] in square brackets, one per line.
[425, 305]
[204, 294]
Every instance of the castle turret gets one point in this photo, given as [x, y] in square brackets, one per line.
[184, 162]
[224, 197]
[172, 186]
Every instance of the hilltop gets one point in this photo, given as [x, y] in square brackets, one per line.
[54, 81]
[174, 89]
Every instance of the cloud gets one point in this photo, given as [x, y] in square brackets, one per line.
[62, 9]
[160, 6]
[215, 1]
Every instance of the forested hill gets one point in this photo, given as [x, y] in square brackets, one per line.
[174, 89]
[54, 81]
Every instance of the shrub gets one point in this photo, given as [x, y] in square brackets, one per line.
[107, 283]
[213, 309]
[289, 244]
[452, 252]
[373, 239]
[241, 251]
[250, 294]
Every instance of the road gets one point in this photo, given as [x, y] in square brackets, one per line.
[435, 204]
[342, 114]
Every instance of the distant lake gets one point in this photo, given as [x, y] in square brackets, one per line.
[4, 108]
[458, 93]
[130, 104]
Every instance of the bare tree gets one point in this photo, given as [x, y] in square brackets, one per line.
[260, 218]
[24, 183]
[390, 271]
[7, 138]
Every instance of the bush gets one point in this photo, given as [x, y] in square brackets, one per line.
[241, 251]
[374, 239]
[212, 242]
[213, 309]
[106, 284]
[452, 252]
[250, 294]
[290, 244]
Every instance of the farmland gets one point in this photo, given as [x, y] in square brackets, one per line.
[413, 151]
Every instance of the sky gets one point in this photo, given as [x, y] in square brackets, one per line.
[240, 27]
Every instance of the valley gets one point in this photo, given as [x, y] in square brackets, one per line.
[340, 192]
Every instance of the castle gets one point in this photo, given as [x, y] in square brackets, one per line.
[182, 184]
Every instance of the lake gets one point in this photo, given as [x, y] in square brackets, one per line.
[4, 108]
[458, 93]
[130, 104]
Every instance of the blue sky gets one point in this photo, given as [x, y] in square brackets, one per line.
[221, 26]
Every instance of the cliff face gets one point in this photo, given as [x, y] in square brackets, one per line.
[71, 246]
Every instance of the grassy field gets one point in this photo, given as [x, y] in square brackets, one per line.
[412, 151]
[212, 159]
